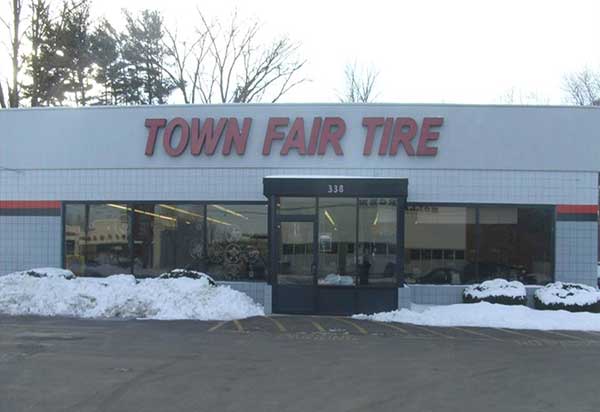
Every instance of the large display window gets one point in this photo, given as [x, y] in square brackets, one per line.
[227, 241]
[465, 245]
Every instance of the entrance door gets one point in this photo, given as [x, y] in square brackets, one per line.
[335, 256]
[295, 290]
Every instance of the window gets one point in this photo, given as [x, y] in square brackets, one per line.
[439, 244]
[377, 229]
[337, 239]
[237, 241]
[167, 236]
[75, 238]
[296, 205]
[104, 251]
[149, 239]
[458, 245]
[516, 244]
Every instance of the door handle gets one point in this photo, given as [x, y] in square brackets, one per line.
[313, 269]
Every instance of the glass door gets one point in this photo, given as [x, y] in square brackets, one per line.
[297, 263]
[294, 286]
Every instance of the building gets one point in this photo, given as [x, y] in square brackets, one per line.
[311, 208]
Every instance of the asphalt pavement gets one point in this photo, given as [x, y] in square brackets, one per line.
[291, 363]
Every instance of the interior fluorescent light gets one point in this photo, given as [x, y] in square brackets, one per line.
[177, 209]
[143, 212]
[329, 217]
[231, 212]
[169, 218]
[376, 218]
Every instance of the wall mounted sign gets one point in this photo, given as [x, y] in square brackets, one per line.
[307, 137]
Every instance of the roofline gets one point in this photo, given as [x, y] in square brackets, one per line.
[330, 104]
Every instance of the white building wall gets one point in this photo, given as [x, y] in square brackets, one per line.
[427, 186]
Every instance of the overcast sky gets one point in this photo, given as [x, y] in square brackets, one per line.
[456, 51]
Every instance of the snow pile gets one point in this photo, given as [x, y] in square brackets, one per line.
[123, 296]
[333, 279]
[491, 315]
[567, 294]
[490, 290]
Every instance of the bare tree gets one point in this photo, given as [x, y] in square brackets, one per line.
[519, 97]
[2, 101]
[227, 64]
[360, 84]
[184, 63]
[13, 26]
[583, 88]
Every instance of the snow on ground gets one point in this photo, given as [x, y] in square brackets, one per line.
[122, 296]
[496, 287]
[491, 315]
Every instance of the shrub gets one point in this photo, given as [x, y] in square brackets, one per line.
[496, 291]
[573, 297]
[49, 273]
[186, 273]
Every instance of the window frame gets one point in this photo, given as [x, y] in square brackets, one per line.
[131, 218]
[477, 207]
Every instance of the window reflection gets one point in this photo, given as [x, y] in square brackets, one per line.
[377, 241]
[97, 240]
[439, 243]
[167, 236]
[237, 241]
[337, 241]
[516, 244]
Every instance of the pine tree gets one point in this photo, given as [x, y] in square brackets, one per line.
[144, 55]
[75, 41]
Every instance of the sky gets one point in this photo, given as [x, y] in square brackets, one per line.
[425, 51]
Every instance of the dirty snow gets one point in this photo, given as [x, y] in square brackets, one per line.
[333, 279]
[491, 315]
[122, 296]
[496, 287]
[568, 294]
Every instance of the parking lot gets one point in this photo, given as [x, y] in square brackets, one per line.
[290, 363]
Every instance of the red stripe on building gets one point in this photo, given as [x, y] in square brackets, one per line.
[577, 209]
[29, 204]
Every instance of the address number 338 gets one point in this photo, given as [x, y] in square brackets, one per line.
[335, 188]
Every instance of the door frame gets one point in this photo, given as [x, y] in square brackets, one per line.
[275, 260]
[318, 187]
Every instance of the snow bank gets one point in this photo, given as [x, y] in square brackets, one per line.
[571, 294]
[496, 288]
[491, 315]
[123, 296]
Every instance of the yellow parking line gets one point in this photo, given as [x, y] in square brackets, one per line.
[318, 326]
[357, 327]
[238, 325]
[278, 324]
[472, 332]
[217, 326]
[514, 332]
[389, 325]
[434, 332]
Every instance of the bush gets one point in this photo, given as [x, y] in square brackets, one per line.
[49, 273]
[186, 273]
[572, 297]
[498, 291]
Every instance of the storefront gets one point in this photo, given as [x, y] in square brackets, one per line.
[330, 209]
